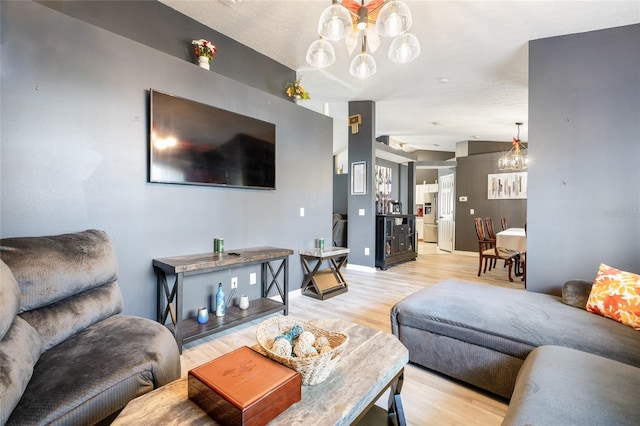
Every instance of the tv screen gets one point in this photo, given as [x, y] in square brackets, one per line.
[198, 144]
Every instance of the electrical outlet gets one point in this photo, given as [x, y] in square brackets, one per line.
[252, 278]
[234, 282]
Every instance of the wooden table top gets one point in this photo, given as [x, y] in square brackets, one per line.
[371, 360]
[325, 252]
[210, 261]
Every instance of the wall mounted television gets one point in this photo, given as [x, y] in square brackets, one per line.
[197, 144]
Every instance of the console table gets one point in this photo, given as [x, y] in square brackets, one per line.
[274, 265]
[326, 283]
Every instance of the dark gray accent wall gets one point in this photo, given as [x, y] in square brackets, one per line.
[340, 192]
[484, 147]
[158, 26]
[584, 179]
[471, 182]
[361, 229]
[430, 175]
[74, 132]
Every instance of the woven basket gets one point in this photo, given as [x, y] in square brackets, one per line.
[314, 369]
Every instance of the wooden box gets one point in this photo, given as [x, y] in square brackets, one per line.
[244, 388]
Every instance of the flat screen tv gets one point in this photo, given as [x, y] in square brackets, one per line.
[196, 144]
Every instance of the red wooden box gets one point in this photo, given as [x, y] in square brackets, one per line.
[244, 388]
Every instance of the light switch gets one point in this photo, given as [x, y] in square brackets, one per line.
[472, 211]
[361, 212]
[366, 251]
[301, 211]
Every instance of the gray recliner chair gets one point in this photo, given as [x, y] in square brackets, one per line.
[67, 354]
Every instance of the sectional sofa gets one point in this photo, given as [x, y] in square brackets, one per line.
[554, 360]
[67, 354]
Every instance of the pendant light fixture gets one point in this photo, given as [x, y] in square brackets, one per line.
[321, 54]
[363, 65]
[517, 157]
[404, 48]
[335, 22]
[391, 18]
[394, 19]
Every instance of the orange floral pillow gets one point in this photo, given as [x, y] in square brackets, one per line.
[615, 294]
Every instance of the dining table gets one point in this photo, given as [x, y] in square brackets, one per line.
[512, 239]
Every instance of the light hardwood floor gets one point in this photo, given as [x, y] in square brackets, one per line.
[428, 398]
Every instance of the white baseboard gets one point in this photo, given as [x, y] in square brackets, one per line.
[361, 268]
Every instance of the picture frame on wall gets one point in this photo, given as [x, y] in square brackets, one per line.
[507, 186]
[359, 178]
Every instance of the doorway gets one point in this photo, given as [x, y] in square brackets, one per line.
[446, 221]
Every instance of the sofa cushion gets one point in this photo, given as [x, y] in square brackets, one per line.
[49, 269]
[94, 373]
[562, 386]
[512, 321]
[616, 294]
[62, 319]
[576, 293]
[9, 298]
[19, 351]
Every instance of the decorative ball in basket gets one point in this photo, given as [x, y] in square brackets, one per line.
[310, 350]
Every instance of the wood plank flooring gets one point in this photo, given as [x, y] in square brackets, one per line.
[428, 398]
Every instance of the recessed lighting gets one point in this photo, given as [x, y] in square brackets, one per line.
[476, 136]
[444, 80]
[436, 123]
[436, 144]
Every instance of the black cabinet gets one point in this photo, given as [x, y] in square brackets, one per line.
[395, 239]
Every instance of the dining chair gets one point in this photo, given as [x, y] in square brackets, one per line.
[489, 253]
[491, 235]
[503, 223]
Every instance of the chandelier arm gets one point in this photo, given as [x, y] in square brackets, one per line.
[369, 12]
[376, 8]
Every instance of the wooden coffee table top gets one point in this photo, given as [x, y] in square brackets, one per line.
[370, 362]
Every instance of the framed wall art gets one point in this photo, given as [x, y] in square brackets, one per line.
[507, 186]
[359, 178]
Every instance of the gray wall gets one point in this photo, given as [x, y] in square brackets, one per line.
[584, 178]
[158, 26]
[431, 175]
[361, 229]
[74, 131]
[340, 192]
[471, 182]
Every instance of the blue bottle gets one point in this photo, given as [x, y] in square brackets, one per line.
[220, 303]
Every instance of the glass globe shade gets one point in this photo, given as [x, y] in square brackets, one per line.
[321, 54]
[363, 66]
[404, 48]
[394, 18]
[335, 23]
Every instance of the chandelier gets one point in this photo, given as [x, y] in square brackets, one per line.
[516, 158]
[356, 21]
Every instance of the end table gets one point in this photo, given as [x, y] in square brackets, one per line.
[328, 282]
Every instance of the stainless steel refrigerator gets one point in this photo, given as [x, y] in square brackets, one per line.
[430, 218]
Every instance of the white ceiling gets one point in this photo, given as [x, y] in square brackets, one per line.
[478, 47]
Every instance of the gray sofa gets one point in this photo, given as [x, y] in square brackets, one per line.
[67, 355]
[510, 342]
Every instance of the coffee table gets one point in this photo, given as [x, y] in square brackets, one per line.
[372, 363]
